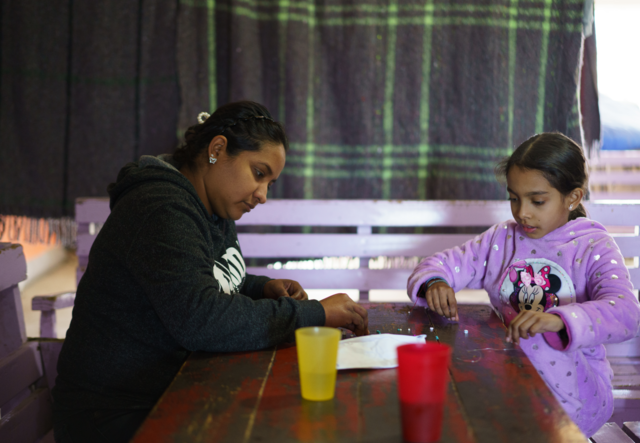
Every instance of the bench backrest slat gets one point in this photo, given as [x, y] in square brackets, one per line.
[363, 214]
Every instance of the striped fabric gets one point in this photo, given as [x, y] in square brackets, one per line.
[388, 99]
[381, 99]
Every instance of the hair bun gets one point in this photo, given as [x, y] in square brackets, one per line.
[203, 116]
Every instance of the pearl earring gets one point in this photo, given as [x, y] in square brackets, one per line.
[570, 207]
[213, 160]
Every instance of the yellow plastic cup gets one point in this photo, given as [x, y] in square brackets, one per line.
[317, 358]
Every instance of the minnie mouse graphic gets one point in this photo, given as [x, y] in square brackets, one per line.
[533, 291]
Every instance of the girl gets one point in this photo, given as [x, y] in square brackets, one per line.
[556, 278]
[166, 277]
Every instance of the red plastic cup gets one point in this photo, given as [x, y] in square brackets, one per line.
[422, 387]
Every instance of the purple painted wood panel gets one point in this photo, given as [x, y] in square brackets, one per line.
[632, 429]
[84, 243]
[369, 245]
[629, 348]
[12, 330]
[634, 276]
[49, 302]
[13, 266]
[50, 351]
[29, 421]
[353, 245]
[413, 213]
[19, 370]
[92, 210]
[614, 177]
[610, 433]
[363, 279]
[48, 324]
[384, 212]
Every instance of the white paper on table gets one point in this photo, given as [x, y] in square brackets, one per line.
[375, 351]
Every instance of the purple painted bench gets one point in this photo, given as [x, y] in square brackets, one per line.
[27, 367]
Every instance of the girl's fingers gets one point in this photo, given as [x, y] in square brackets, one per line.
[525, 326]
[514, 329]
[444, 303]
[453, 306]
[434, 302]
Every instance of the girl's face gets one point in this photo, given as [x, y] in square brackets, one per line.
[537, 206]
[235, 185]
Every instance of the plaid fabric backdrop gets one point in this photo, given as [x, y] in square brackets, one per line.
[393, 99]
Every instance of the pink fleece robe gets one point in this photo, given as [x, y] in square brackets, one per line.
[576, 272]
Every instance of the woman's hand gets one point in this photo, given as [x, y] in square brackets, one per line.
[441, 298]
[528, 324]
[275, 289]
[342, 312]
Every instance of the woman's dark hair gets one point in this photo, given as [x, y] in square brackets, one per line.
[559, 159]
[246, 125]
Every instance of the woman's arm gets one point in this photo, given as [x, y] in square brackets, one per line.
[171, 261]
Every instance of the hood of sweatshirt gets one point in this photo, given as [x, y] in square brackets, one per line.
[149, 169]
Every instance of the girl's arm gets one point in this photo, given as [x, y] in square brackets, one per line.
[613, 313]
[460, 267]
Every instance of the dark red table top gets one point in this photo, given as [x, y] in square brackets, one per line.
[494, 395]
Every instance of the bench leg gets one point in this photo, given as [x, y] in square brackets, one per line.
[48, 324]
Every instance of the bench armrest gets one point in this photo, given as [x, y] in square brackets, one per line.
[52, 302]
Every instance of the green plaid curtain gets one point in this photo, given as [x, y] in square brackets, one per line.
[384, 99]
[393, 99]
[85, 87]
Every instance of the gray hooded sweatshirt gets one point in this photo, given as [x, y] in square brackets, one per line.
[164, 279]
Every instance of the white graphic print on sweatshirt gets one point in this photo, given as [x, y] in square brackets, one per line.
[230, 271]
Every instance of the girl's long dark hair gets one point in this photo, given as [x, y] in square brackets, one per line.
[246, 125]
[560, 160]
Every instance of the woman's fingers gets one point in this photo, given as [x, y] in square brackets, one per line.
[296, 292]
[341, 311]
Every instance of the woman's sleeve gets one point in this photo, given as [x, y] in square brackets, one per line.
[171, 263]
[462, 267]
[253, 286]
[613, 313]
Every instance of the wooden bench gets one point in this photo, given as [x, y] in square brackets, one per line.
[611, 433]
[27, 366]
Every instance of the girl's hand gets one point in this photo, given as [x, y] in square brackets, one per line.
[441, 298]
[528, 324]
[275, 289]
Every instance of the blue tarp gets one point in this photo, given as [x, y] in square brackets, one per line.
[620, 122]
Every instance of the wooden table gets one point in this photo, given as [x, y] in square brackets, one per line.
[493, 395]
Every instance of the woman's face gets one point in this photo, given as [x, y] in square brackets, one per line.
[536, 205]
[235, 185]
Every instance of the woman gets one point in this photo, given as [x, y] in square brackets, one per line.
[166, 277]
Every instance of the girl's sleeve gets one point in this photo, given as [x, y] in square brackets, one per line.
[461, 267]
[611, 315]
